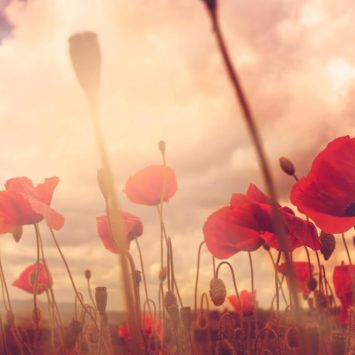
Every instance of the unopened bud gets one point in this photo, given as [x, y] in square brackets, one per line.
[327, 242]
[170, 299]
[101, 299]
[87, 274]
[102, 180]
[17, 233]
[211, 4]
[287, 166]
[266, 246]
[218, 291]
[162, 147]
[85, 56]
[312, 283]
[36, 315]
[163, 273]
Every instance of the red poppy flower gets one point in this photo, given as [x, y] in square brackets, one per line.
[27, 279]
[22, 203]
[344, 284]
[303, 271]
[149, 326]
[147, 186]
[327, 193]
[133, 228]
[247, 301]
[248, 223]
[123, 331]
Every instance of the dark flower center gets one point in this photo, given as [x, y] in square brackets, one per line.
[350, 210]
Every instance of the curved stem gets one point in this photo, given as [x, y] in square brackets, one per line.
[253, 292]
[346, 248]
[198, 272]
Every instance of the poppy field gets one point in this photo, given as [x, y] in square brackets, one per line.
[312, 308]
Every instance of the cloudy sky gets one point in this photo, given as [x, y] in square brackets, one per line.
[163, 78]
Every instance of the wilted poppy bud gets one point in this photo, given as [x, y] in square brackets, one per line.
[170, 299]
[218, 291]
[87, 274]
[10, 317]
[17, 233]
[287, 166]
[327, 242]
[293, 338]
[85, 56]
[101, 299]
[103, 183]
[186, 316]
[154, 344]
[36, 315]
[162, 273]
[312, 283]
[162, 147]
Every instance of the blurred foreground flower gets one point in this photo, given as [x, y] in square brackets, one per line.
[27, 279]
[133, 228]
[248, 222]
[22, 204]
[149, 185]
[303, 272]
[246, 300]
[327, 193]
[344, 284]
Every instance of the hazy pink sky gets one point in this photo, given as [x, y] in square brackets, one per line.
[163, 79]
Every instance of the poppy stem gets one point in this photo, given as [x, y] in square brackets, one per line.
[320, 276]
[346, 248]
[235, 288]
[253, 293]
[88, 283]
[198, 273]
[254, 133]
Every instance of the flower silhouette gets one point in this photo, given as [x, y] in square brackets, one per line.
[150, 185]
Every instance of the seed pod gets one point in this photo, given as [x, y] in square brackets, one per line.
[312, 283]
[87, 274]
[36, 315]
[173, 311]
[17, 233]
[85, 56]
[162, 147]
[287, 166]
[186, 317]
[218, 291]
[327, 242]
[10, 317]
[163, 273]
[211, 4]
[103, 183]
[170, 299]
[101, 299]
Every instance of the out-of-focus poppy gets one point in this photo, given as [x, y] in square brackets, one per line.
[344, 285]
[149, 185]
[22, 204]
[246, 300]
[149, 325]
[248, 222]
[327, 193]
[27, 279]
[132, 225]
[303, 271]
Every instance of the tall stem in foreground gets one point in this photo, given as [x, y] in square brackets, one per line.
[250, 121]
[253, 293]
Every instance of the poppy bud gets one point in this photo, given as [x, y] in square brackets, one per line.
[36, 315]
[218, 291]
[266, 246]
[173, 311]
[87, 274]
[101, 299]
[287, 166]
[103, 183]
[17, 233]
[170, 299]
[85, 56]
[10, 317]
[162, 273]
[327, 242]
[154, 344]
[186, 317]
[312, 283]
[137, 277]
[162, 146]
